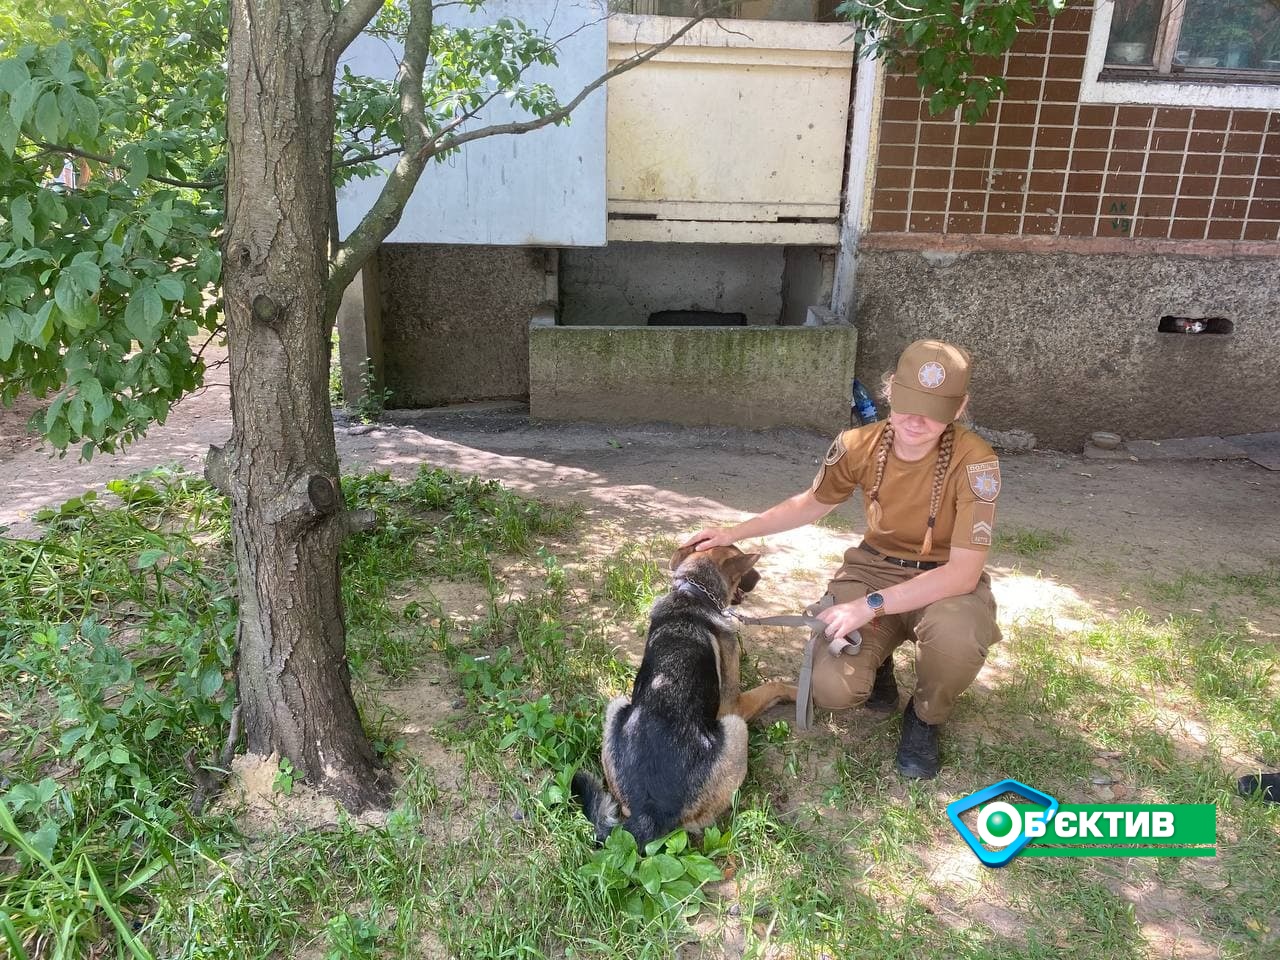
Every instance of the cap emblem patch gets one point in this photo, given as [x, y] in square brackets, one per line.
[932, 374]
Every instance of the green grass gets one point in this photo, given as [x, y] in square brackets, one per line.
[116, 661]
[1261, 586]
[635, 576]
[839, 522]
[1031, 542]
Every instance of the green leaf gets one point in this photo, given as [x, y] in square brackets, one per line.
[210, 681]
[8, 134]
[158, 226]
[134, 157]
[40, 325]
[680, 889]
[669, 868]
[13, 74]
[153, 729]
[154, 307]
[71, 737]
[83, 272]
[87, 113]
[149, 558]
[44, 839]
[170, 288]
[65, 294]
[208, 265]
[23, 98]
[144, 314]
[20, 221]
[649, 876]
[59, 60]
[701, 870]
[6, 337]
[119, 755]
[49, 122]
[75, 415]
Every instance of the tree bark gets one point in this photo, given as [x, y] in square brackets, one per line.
[286, 506]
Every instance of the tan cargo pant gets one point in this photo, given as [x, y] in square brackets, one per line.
[951, 636]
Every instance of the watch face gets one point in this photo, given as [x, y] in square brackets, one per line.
[875, 601]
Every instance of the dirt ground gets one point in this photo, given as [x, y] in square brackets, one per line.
[1134, 531]
[1129, 524]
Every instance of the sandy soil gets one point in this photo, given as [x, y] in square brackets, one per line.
[1130, 525]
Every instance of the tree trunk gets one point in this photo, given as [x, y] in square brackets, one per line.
[287, 513]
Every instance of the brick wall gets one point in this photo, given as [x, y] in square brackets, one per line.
[1043, 164]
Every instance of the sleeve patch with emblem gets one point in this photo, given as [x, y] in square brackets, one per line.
[835, 451]
[984, 480]
[984, 518]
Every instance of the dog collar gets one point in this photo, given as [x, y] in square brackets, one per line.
[682, 581]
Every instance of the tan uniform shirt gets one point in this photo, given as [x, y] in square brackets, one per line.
[966, 511]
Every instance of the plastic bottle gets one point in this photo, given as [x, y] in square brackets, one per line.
[862, 404]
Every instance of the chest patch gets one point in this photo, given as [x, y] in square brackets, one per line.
[984, 480]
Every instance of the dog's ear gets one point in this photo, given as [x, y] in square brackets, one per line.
[679, 556]
[736, 568]
[748, 581]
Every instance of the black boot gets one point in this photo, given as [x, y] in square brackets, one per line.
[884, 695]
[1268, 784]
[918, 750]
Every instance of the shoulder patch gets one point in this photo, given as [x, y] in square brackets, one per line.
[984, 479]
[835, 451]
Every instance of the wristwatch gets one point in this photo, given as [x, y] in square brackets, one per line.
[876, 602]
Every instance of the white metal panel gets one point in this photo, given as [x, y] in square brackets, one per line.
[738, 121]
[545, 188]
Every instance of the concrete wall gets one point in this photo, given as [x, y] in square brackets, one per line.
[455, 321]
[741, 376]
[806, 281]
[623, 283]
[1067, 344]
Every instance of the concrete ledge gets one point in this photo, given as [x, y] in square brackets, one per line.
[755, 377]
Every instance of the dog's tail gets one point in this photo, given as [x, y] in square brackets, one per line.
[598, 804]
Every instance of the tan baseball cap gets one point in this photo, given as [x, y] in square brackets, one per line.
[931, 380]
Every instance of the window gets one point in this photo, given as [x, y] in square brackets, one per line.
[1225, 41]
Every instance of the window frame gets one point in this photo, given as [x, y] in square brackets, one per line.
[1103, 83]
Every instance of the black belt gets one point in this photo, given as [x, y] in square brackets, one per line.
[899, 562]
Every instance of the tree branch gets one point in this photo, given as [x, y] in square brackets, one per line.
[369, 157]
[107, 161]
[436, 145]
[419, 146]
[385, 213]
[350, 20]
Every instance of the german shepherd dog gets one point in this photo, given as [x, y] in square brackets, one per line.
[675, 752]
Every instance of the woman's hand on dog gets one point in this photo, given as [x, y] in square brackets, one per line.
[711, 537]
[844, 618]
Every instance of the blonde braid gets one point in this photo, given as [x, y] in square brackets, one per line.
[944, 461]
[874, 513]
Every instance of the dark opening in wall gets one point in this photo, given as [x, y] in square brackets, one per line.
[696, 318]
[1195, 325]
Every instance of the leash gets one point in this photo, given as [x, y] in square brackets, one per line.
[838, 647]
